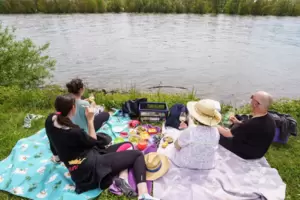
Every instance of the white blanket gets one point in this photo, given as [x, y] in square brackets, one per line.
[233, 178]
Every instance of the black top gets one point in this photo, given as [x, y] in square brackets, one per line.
[80, 154]
[253, 137]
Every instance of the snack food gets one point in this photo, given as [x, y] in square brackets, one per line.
[152, 131]
[165, 144]
[140, 129]
[168, 139]
[144, 135]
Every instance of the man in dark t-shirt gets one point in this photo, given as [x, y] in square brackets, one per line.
[251, 139]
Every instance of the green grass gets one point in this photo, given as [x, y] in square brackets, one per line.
[15, 104]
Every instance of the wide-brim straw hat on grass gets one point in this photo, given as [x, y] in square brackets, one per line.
[157, 165]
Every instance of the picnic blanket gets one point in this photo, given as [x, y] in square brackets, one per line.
[120, 123]
[232, 179]
[28, 171]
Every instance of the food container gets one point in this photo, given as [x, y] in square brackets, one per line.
[153, 111]
[134, 123]
[140, 129]
[124, 134]
[134, 139]
[145, 135]
[142, 145]
[118, 140]
[152, 131]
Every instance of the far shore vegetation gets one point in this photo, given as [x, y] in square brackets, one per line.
[25, 67]
[233, 7]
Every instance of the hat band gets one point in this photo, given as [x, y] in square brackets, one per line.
[156, 169]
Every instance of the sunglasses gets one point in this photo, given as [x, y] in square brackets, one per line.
[252, 97]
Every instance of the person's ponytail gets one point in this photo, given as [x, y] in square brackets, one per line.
[64, 105]
[65, 121]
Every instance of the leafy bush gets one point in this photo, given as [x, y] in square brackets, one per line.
[14, 97]
[101, 6]
[87, 6]
[20, 6]
[115, 6]
[64, 6]
[242, 7]
[134, 5]
[47, 6]
[22, 63]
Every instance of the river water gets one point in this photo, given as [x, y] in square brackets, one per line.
[221, 57]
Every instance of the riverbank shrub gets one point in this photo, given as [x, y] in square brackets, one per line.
[22, 63]
[101, 6]
[241, 7]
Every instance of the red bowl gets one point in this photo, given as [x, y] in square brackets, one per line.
[142, 145]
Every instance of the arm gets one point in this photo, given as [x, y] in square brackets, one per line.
[91, 130]
[89, 112]
[183, 140]
[225, 132]
[177, 145]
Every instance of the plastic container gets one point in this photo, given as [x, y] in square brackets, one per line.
[142, 145]
[118, 140]
[153, 111]
[134, 139]
[124, 134]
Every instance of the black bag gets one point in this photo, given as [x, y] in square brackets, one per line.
[174, 114]
[131, 107]
[286, 123]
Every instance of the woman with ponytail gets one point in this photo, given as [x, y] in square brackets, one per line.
[76, 87]
[90, 162]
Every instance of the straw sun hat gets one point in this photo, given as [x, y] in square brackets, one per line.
[205, 112]
[157, 165]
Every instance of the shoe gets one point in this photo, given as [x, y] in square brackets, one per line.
[147, 197]
[55, 159]
[125, 188]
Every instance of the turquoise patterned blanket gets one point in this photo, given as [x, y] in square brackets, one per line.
[28, 171]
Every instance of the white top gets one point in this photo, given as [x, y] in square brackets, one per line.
[198, 148]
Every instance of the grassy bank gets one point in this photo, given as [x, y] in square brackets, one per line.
[16, 103]
[240, 7]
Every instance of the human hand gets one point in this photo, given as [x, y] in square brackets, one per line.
[93, 104]
[183, 125]
[234, 120]
[89, 113]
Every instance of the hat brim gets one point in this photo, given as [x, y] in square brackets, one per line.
[204, 119]
[165, 165]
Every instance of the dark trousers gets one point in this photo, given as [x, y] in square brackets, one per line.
[120, 161]
[226, 142]
[100, 119]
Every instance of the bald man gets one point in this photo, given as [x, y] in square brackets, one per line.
[251, 139]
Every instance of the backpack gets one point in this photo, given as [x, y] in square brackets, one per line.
[174, 114]
[286, 123]
[131, 107]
